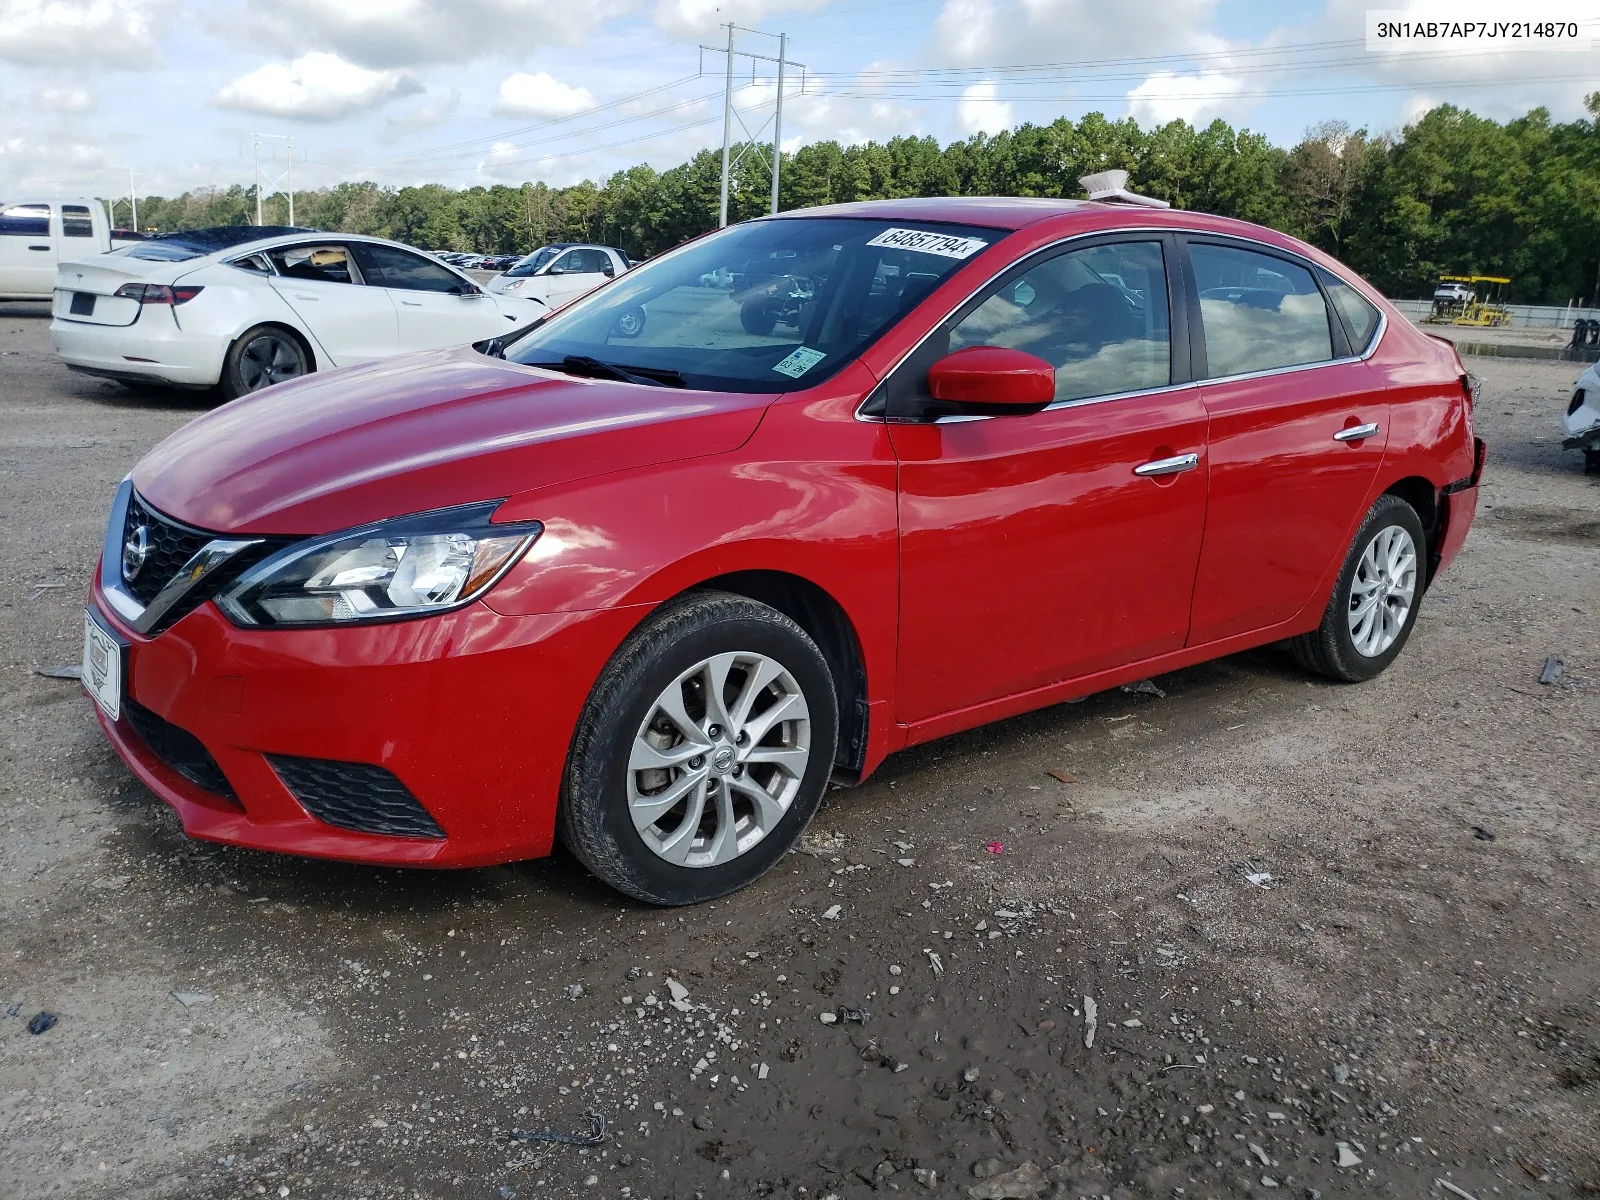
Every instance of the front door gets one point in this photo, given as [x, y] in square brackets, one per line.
[1298, 427]
[577, 271]
[434, 306]
[352, 322]
[1036, 549]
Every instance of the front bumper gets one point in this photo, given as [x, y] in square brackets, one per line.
[471, 711]
[153, 349]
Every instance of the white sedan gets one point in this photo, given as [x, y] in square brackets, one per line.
[245, 307]
[560, 272]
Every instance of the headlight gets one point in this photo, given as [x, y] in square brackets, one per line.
[513, 285]
[407, 567]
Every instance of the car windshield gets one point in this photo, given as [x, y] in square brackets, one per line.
[767, 306]
[196, 243]
[534, 261]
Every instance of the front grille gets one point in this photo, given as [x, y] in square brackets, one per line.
[178, 748]
[171, 546]
[355, 796]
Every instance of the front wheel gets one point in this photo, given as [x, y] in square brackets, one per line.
[702, 752]
[1374, 603]
[261, 357]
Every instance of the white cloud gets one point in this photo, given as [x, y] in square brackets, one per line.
[51, 166]
[59, 100]
[1198, 99]
[113, 33]
[315, 87]
[689, 18]
[433, 109]
[403, 33]
[1417, 106]
[542, 96]
[980, 109]
[507, 163]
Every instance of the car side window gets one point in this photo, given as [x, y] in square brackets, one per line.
[25, 220]
[604, 265]
[1098, 315]
[75, 221]
[1260, 312]
[570, 263]
[1359, 314]
[324, 263]
[391, 267]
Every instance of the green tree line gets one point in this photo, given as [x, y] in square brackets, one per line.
[1453, 193]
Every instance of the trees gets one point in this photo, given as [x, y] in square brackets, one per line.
[1452, 193]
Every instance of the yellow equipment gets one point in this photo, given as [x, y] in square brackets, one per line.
[1465, 306]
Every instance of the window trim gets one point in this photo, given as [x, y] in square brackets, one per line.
[1178, 333]
[1189, 304]
[1343, 352]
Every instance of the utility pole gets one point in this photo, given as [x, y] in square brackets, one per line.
[133, 201]
[777, 123]
[286, 177]
[727, 131]
[729, 114]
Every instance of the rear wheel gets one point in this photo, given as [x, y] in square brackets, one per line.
[261, 357]
[702, 753]
[1374, 604]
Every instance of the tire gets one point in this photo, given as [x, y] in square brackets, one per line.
[757, 318]
[261, 357]
[630, 323]
[1333, 648]
[657, 858]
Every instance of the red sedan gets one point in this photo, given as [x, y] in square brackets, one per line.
[759, 513]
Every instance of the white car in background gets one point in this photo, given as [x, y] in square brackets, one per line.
[560, 272]
[1582, 422]
[243, 307]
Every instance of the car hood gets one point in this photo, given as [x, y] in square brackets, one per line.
[419, 432]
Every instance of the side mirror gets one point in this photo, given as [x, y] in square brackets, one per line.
[992, 380]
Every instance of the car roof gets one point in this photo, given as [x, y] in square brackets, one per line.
[1018, 212]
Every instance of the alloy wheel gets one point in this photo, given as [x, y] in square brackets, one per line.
[718, 759]
[269, 359]
[1382, 592]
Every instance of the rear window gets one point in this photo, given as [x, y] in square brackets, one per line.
[196, 243]
[75, 221]
[25, 220]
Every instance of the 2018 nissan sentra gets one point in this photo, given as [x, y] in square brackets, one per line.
[920, 465]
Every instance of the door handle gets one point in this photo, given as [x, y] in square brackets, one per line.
[45, 248]
[1357, 433]
[301, 296]
[412, 303]
[1175, 465]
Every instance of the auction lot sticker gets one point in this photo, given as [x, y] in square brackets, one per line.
[801, 360]
[924, 242]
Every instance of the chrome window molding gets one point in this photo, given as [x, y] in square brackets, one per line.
[1371, 349]
[143, 618]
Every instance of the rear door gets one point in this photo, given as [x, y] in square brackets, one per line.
[27, 251]
[1036, 549]
[1298, 428]
[434, 306]
[352, 322]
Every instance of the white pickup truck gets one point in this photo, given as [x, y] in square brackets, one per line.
[35, 235]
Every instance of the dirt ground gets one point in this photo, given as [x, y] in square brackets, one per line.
[1332, 941]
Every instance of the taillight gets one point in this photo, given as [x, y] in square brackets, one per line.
[157, 293]
[1471, 385]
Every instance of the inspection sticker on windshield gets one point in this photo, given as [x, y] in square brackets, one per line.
[799, 362]
[923, 242]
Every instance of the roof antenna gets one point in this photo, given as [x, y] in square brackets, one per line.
[1112, 187]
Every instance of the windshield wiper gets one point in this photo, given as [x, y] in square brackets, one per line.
[584, 364]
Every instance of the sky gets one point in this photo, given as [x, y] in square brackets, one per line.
[466, 92]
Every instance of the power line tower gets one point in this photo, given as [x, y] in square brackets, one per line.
[286, 176]
[730, 114]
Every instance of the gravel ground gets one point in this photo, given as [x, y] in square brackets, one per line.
[1328, 940]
